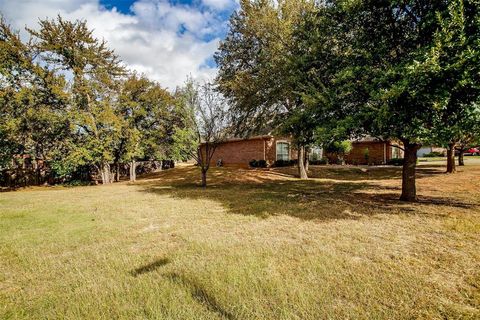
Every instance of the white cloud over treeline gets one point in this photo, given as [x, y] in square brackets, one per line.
[166, 41]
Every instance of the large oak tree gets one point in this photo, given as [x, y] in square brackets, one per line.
[255, 73]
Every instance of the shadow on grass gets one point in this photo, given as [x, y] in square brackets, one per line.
[266, 193]
[199, 294]
[150, 267]
[9, 189]
[357, 173]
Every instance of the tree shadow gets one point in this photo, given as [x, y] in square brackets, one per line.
[150, 267]
[270, 193]
[360, 173]
[8, 189]
[199, 294]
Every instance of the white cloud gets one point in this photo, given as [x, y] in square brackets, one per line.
[166, 42]
[219, 4]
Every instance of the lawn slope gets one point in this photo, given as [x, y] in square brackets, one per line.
[254, 245]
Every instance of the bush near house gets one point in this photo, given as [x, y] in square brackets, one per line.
[258, 163]
[434, 154]
[319, 162]
[395, 162]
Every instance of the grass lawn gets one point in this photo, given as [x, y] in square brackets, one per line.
[466, 159]
[254, 245]
[431, 159]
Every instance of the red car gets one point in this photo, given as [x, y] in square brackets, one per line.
[473, 151]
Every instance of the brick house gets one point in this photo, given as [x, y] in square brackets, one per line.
[238, 151]
[371, 150]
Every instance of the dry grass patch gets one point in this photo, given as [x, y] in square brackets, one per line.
[257, 244]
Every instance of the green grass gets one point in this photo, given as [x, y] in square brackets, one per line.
[256, 244]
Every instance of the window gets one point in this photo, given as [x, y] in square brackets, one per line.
[396, 152]
[283, 151]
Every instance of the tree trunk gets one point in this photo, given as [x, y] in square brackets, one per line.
[307, 162]
[451, 158]
[133, 171]
[301, 163]
[106, 175]
[117, 172]
[460, 157]
[409, 190]
[204, 178]
[37, 175]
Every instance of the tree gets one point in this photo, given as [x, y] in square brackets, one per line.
[340, 148]
[70, 47]
[470, 136]
[149, 113]
[64, 98]
[469, 140]
[299, 125]
[255, 74]
[207, 127]
[377, 45]
[33, 102]
[452, 66]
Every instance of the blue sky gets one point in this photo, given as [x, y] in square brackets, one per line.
[124, 5]
[222, 10]
[167, 40]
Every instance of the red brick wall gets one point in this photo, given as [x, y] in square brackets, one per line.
[378, 152]
[243, 151]
[239, 152]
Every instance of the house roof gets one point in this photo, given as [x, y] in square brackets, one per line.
[263, 137]
[364, 139]
[369, 138]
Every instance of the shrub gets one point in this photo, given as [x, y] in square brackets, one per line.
[395, 162]
[258, 163]
[77, 183]
[339, 147]
[366, 154]
[434, 154]
[318, 162]
[262, 163]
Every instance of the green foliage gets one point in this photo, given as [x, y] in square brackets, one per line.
[318, 162]
[149, 116]
[255, 72]
[339, 147]
[397, 70]
[366, 154]
[258, 163]
[451, 69]
[33, 102]
[434, 154]
[95, 126]
[100, 116]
